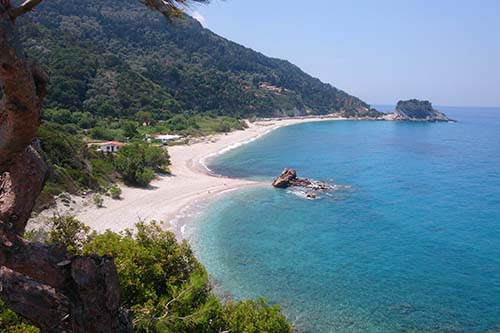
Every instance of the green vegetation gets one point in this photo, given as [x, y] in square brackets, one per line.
[167, 289]
[98, 200]
[137, 163]
[116, 59]
[75, 167]
[68, 231]
[107, 129]
[119, 72]
[414, 109]
[11, 323]
[162, 283]
[115, 192]
[72, 165]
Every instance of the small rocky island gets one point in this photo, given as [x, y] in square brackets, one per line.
[416, 110]
[288, 178]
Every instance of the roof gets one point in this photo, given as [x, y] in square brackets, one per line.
[111, 143]
[166, 137]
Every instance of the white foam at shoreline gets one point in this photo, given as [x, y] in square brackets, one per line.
[188, 183]
[203, 161]
[190, 212]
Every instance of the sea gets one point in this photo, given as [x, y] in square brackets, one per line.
[409, 241]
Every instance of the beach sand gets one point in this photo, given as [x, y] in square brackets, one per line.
[190, 182]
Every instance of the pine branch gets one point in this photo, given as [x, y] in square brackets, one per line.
[25, 7]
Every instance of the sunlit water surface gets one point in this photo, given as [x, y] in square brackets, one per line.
[412, 246]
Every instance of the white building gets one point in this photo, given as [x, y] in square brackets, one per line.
[165, 138]
[110, 146]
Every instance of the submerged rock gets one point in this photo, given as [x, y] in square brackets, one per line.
[311, 195]
[415, 110]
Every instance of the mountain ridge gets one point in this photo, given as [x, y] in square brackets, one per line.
[125, 59]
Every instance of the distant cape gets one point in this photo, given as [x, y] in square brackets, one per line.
[416, 110]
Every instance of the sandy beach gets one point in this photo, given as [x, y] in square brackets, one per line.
[190, 182]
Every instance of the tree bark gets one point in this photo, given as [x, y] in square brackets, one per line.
[43, 304]
[48, 286]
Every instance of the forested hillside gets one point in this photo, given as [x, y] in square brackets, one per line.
[116, 58]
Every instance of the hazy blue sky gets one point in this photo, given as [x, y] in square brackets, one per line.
[380, 50]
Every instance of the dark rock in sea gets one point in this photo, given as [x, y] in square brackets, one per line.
[311, 195]
[415, 110]
[289, 178]
[284, 180]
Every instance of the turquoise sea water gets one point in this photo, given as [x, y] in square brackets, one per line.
[412, 246]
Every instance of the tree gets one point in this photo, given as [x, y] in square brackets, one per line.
[164, 285]
[136, 163]
[129, 128]
[46, 284]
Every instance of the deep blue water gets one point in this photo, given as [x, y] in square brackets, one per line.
[412, 246]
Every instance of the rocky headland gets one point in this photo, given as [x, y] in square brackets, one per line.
[416, 110]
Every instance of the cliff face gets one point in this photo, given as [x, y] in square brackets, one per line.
[415, 110]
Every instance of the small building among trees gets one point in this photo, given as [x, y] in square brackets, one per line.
[163, 138]
[110, 146]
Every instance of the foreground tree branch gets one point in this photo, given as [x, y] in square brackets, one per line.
[19, 189]
[35, 301]
[24, 87]
[25, 7]
[169, 7]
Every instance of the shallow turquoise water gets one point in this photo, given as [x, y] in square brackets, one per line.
[413, 246]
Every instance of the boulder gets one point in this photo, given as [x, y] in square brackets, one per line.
[284, 180]
[289, 178]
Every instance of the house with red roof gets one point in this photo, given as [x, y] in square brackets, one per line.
[110, 146]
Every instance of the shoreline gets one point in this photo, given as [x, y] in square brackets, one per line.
[190, 182]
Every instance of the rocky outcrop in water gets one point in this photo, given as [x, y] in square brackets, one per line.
[415, 110]
[288, 178]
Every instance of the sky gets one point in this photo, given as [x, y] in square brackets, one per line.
[382, 51]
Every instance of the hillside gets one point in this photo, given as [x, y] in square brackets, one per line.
[117, 58]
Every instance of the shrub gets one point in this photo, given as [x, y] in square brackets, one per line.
[115, 192]
[68, 231]
[162, 283]
[137, 162]
[144, 177]
[12, 323]
[156, 157]
[98, 200]
[254, 316]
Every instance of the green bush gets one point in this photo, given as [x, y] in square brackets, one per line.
[137, 162]
[12, 323]
[68, 231]
[115, 192]
[144, 177]
[156, 157]
[98, 200]
[254, 317]
[129, 128]
[162, 283]
[101, 133]
[168, 290]
[72, 165]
